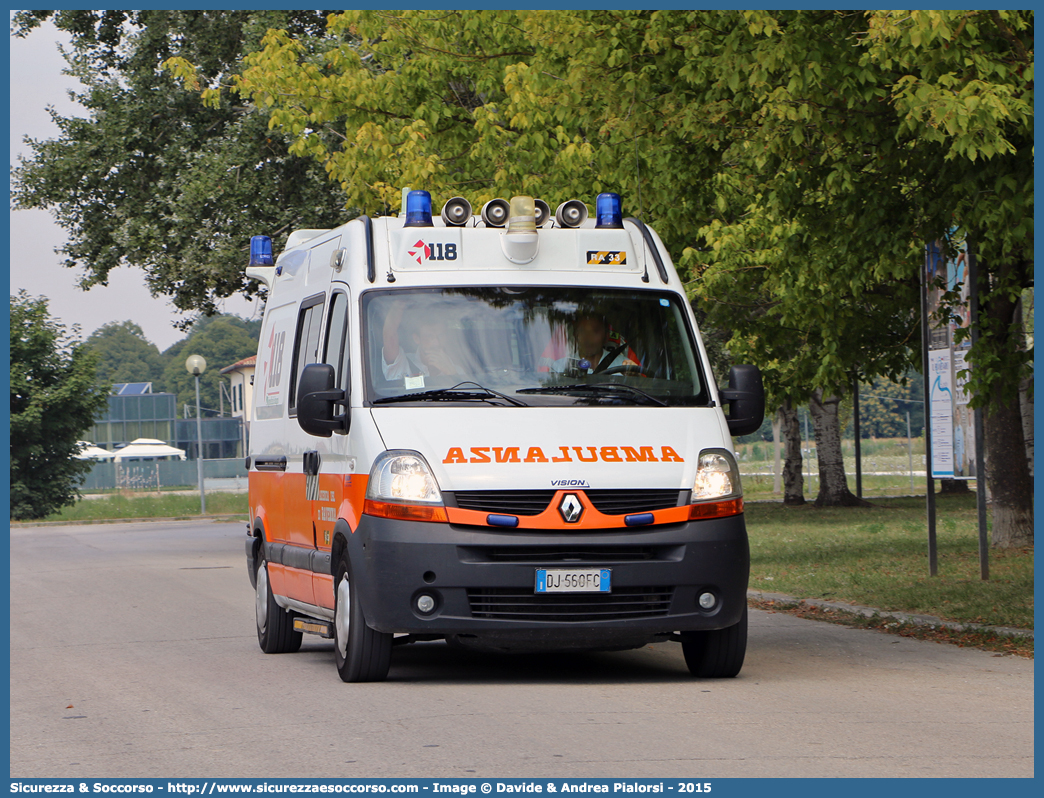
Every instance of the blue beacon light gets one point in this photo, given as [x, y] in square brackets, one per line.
[607, 211]
[418, 209]
[260, 251]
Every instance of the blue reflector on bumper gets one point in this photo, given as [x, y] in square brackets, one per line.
[502, 520]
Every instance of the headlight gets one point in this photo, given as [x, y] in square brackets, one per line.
[404, 477]
[717, 476]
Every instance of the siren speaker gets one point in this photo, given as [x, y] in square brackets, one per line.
[571, 213]
[456, 212]
[495, 213]
[543, 212]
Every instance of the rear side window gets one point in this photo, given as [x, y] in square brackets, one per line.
[306, 342]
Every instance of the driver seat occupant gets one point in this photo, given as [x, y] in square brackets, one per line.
[596, 348]
[430, 355]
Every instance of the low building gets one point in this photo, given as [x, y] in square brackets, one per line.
[136, 412]
[241, 379]
[241, 390]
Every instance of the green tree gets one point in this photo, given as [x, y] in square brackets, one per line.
[877, 133]
[491, 103]
[798, 160]
[561, 105]
[55, 396]
[151, 178]
[222, 341]
[883, 406]
[125, 355]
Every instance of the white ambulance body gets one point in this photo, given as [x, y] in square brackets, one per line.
[501, 430]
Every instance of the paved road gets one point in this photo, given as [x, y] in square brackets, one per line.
[133, 654]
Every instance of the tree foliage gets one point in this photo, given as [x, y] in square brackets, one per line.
[125, 355]
[798, 160]
[883, 407]
[55, 395]
[222, 341]
[868, 135]
[487, 104]
[152, 178]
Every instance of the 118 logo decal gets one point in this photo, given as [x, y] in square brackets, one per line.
[437, 251]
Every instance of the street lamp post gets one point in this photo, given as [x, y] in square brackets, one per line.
[196, 365]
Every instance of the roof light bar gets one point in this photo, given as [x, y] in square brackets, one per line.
[522, 216]
[519, 242]
[261, 251]
[607, 211]
[418, 209]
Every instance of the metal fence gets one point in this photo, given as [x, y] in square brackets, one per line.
[144, 475]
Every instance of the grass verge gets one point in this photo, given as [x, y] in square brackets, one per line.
[758, 487]
[972, 638]
[878, 557]
[119, 506]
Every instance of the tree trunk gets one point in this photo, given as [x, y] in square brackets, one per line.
[793, 481]
[833, 484]
[1008, 476]
[1026, 400]
[1007, 469]
[777, 424]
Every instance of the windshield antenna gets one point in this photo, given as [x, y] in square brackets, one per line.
[641, 215]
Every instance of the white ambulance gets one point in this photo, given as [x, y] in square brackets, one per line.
[500, 430]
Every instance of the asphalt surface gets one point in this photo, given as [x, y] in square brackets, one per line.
[133, 654]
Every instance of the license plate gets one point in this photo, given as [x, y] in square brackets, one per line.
[573, 580]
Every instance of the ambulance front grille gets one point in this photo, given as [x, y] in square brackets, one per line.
[625, 502]
[534, 502]
[506, 502]
[521, 604]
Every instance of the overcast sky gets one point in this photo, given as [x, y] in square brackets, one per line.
[37, 82]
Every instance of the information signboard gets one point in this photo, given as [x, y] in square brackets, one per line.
[949, 311]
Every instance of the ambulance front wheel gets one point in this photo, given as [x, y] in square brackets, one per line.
[716, 654]
[362, 654]
[275, 626]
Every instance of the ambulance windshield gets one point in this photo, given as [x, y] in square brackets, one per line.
[543, 345]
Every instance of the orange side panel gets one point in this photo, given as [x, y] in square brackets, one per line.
[279, 500]
[322, 587]
[352, 498]
[275, 579]
[324, 511]
[297, 512]
[266, 499]
[297, 584]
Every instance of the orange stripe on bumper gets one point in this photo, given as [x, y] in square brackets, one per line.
[552, 519]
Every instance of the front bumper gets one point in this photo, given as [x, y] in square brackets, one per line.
[483, 581]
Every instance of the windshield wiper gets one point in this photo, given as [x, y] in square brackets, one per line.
[604, 388]
[453, 394]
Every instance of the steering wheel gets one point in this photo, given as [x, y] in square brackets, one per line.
[629, 369]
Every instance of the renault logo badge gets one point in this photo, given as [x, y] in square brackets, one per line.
[570, 508]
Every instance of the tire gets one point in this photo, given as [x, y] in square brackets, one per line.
[275, 626]
[362, 654]
[716, 654]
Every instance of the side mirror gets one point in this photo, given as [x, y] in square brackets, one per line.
[746, 399]
[316, 397]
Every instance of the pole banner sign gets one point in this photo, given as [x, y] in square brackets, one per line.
[949, 311]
